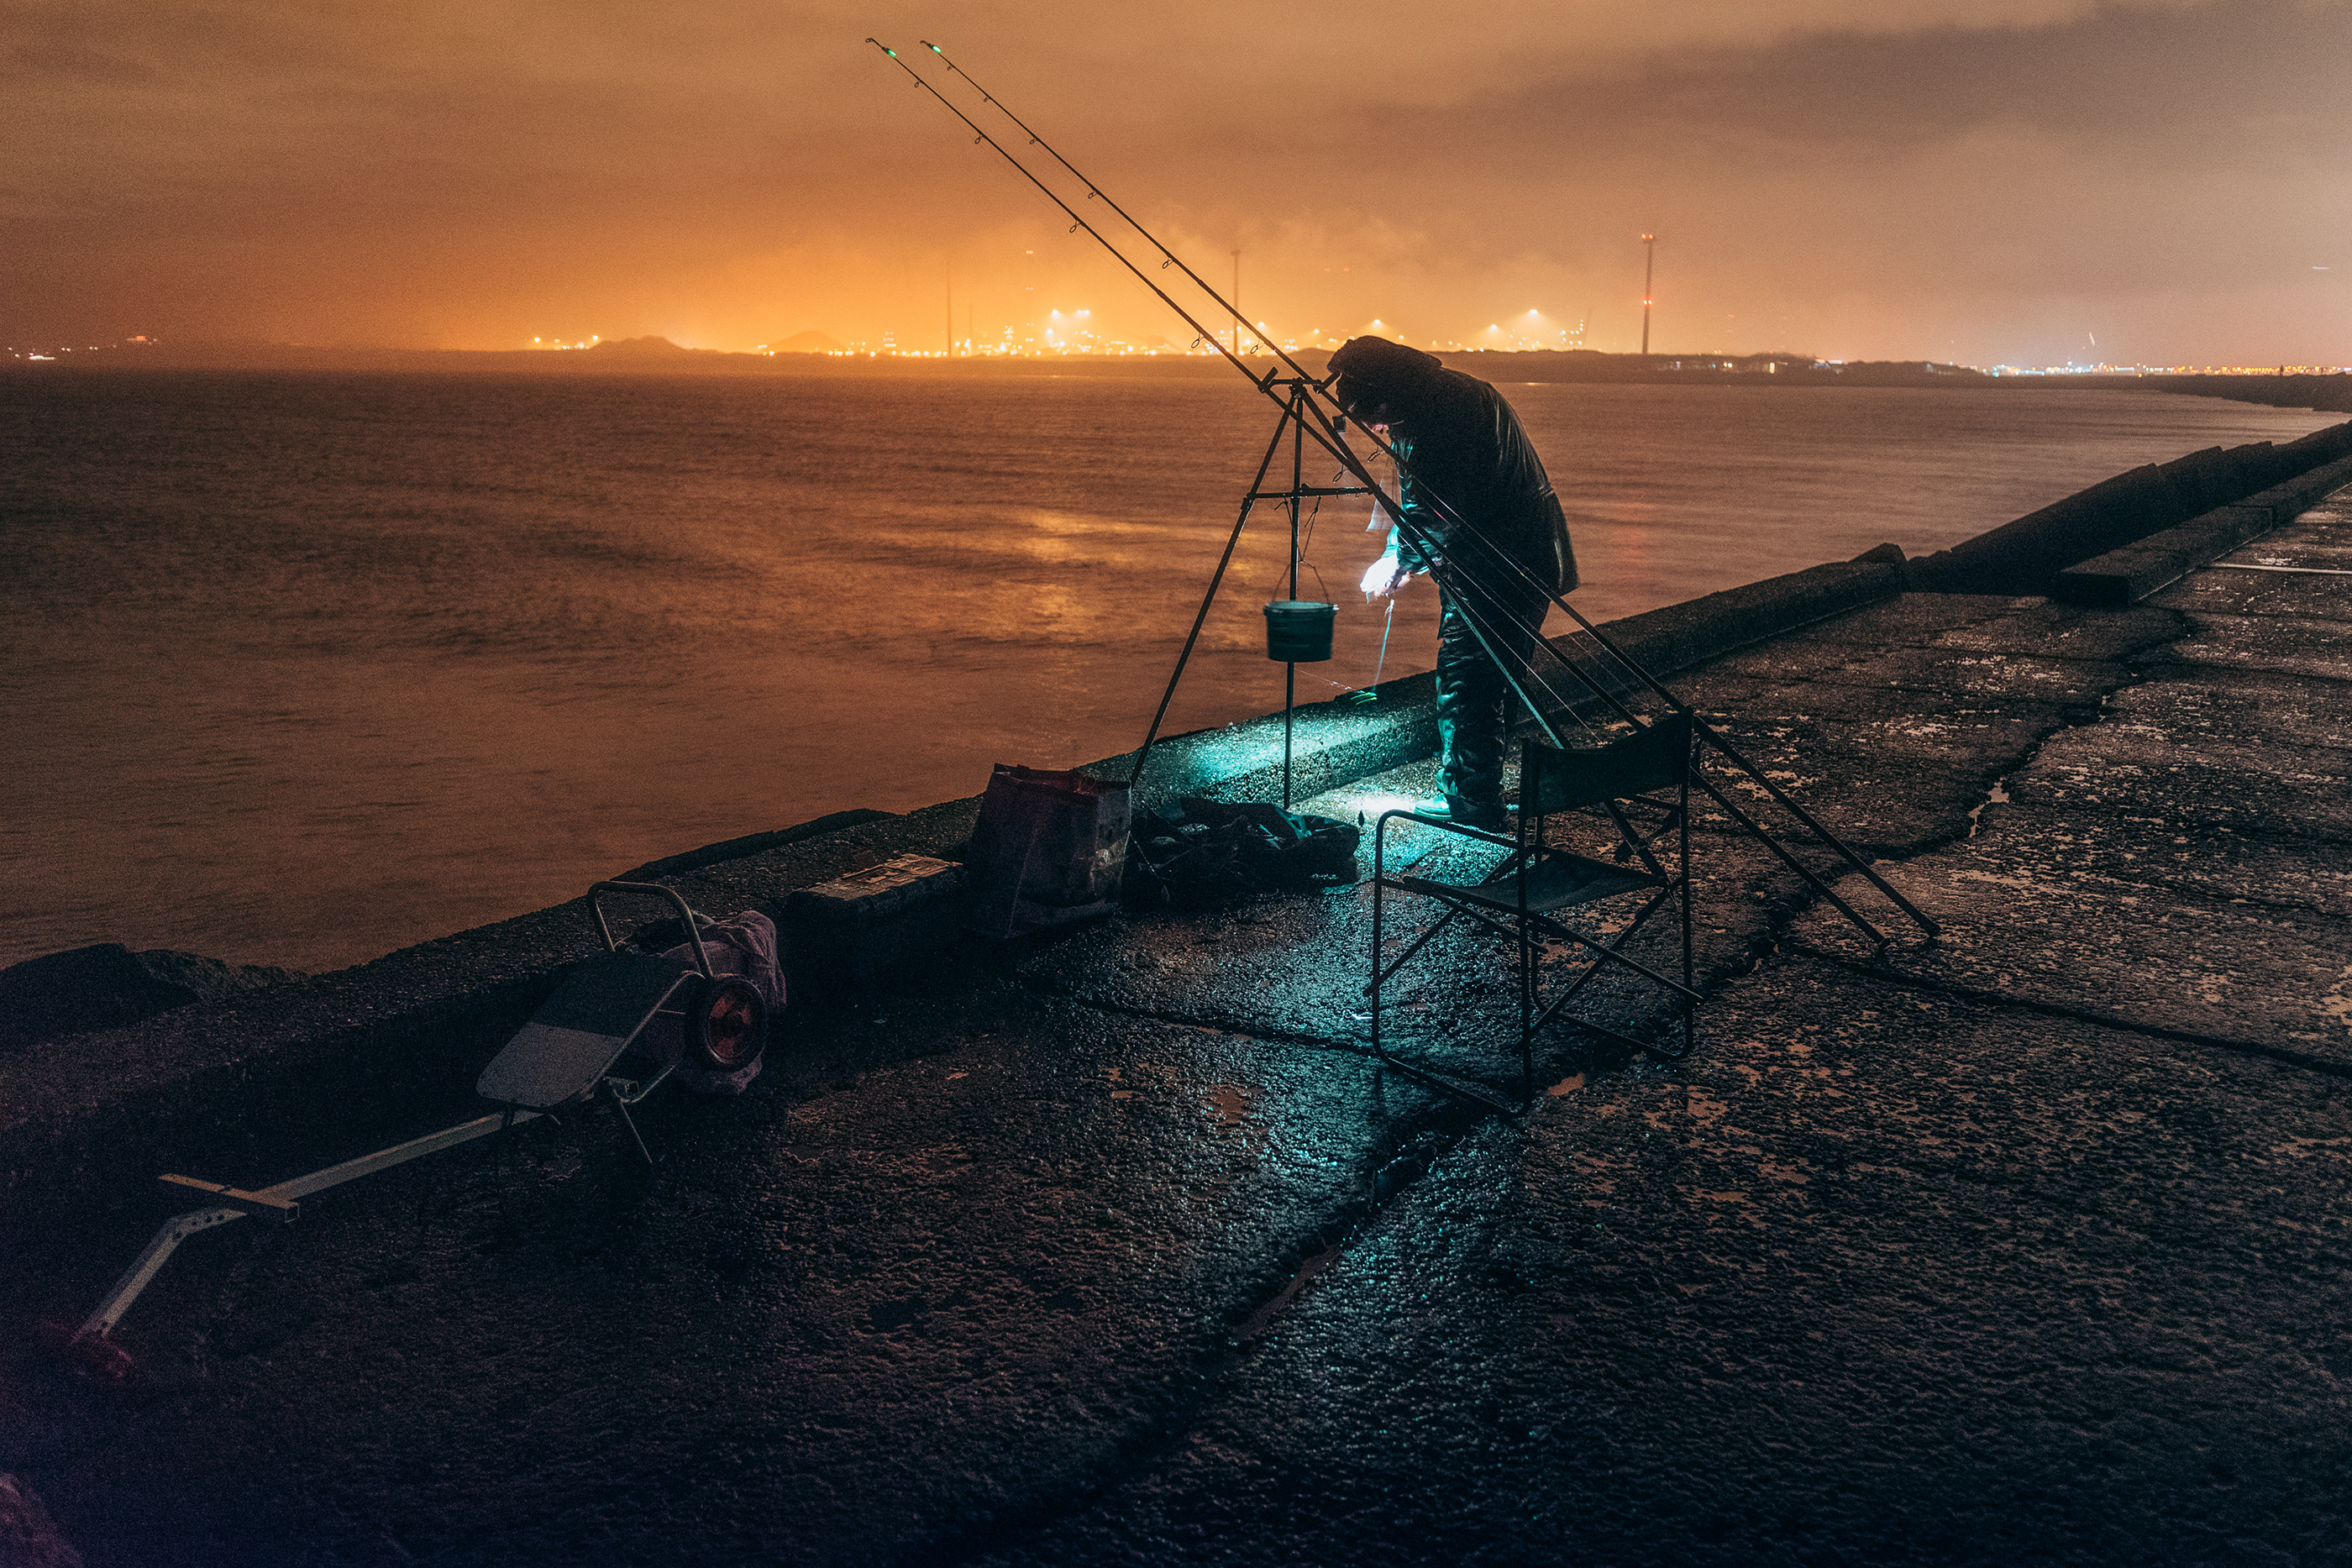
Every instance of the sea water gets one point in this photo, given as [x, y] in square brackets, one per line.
[298, 668]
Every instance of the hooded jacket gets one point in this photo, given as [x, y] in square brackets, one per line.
[1473, 492]
[1463, 446]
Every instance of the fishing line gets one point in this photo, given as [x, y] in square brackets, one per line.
[1348, 462]
[1078, 222]
[1095, 192]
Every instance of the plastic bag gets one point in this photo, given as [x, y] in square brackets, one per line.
[742, 945]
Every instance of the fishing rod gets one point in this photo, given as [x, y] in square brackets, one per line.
[1095, 192]
[1336, 419]
[1077, 221]
[1306, 380]
[1327, 429]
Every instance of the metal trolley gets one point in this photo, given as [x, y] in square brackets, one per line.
[563, 1056]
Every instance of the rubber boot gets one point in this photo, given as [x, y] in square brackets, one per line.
[1472, 700]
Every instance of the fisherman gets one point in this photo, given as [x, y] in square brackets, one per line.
[1475, 499]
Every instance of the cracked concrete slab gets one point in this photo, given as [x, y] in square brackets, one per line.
[1888, 779]
[1912, 618]
[2246, 787]
[2167, 854]
[1883, 1278]
[1791, 661]
[2309, 549]
[2319, 647]
[2022, 919]
[2073, 681]
[2042, 628]
[2193, 703]
[1067, 1254]
[2318, 537]
[2262, 593]
[2178, 864]
[948, 1291]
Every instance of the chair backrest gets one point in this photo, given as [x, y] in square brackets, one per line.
[1553, 778]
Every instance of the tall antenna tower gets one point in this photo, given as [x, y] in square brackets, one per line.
[1649, 263]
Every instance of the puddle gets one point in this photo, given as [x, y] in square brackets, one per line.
[1997, 796]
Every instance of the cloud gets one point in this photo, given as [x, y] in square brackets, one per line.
[456, 173]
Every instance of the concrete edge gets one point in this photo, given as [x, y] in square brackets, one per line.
[750, 844]
[271, 1083]
[2125, 576]
[2026, 556]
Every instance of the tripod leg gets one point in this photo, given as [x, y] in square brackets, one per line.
[635, 1136]
[1208, 599]
[1792, 862]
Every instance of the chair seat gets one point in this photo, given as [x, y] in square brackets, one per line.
[1559, 881]
[577, 1034]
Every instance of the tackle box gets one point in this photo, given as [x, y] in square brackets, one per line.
[867, 922]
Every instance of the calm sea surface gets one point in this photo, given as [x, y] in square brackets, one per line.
[300, 668]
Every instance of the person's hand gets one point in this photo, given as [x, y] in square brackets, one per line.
[1384, 575]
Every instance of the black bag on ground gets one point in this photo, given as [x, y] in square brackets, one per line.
[1199, 853]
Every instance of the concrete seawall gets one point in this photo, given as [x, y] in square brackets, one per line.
[2027, 556]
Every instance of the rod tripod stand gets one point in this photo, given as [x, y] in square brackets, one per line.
[1296, 393]
[1310, 414]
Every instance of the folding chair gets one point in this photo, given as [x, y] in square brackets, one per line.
[1640, 785]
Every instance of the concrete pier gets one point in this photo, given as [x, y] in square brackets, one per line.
[2027, 1245]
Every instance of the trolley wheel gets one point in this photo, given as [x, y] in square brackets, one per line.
[726, 1024]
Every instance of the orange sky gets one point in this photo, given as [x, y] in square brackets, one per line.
[1982, 181]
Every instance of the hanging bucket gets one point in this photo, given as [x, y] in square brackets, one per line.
[1298, 630]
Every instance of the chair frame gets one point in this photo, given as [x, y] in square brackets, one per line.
[1548, 787]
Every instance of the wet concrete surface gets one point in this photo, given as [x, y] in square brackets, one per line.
[2183, 864]
[2025, 1247]
[845, 1327]
[1878, 1278]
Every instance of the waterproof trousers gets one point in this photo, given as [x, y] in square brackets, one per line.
[1474, 703]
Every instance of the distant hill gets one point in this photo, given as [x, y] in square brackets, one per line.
[637, 348]
[808, 343]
